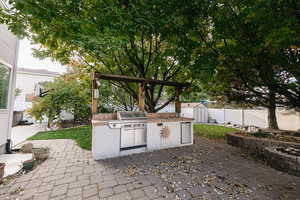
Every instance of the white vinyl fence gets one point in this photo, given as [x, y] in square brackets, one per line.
[240, 117]
[287, 119]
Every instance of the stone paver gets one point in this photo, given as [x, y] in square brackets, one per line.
[207, 170]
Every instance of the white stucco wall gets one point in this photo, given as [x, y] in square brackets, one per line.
[8, 56]
[154, 139]
[105, 142]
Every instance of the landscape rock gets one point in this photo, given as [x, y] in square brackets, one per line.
[27, 148]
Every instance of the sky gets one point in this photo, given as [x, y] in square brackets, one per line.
[27, 60]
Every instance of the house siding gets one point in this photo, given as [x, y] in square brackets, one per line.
[8, 56]
[8, 43]
[26, 82]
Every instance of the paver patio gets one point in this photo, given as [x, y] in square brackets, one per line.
[206, 170]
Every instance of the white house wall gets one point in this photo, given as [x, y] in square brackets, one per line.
[8, 43]
[4, 117]
[8, 56]
[26, 82]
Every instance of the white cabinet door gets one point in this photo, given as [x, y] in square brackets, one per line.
[186, 133]
[140, 136]
[127, 138]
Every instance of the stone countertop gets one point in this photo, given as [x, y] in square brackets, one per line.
[149, 120]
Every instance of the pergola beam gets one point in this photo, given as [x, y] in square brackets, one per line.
[139, 80]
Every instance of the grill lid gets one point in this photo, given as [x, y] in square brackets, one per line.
[131, 115]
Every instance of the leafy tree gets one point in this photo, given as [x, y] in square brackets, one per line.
[196, 93]
[41, 109]
[139, 38]
[112, 98]
[249, 52]
[62, 95]
[115, 98]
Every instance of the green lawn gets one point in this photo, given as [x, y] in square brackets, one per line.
[212, 131]
[82, 135]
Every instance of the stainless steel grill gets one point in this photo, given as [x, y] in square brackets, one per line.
[131, 115]
[133, 130]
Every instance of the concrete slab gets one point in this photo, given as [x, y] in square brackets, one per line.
[14, 162]
[21, 133]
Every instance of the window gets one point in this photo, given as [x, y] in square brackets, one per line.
[4, 85]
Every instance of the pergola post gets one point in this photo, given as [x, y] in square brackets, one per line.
[94, 94]
[177, 101]
[142, 96]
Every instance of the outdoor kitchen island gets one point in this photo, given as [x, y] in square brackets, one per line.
[124, 133]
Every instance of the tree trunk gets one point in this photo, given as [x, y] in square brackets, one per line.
[272, 118]
[74, 120]
[272, 113]
[48, 123]
[150, 107]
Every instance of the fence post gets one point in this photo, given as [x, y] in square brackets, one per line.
[224, 116]
[243, 118]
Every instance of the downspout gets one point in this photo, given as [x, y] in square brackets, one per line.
[12, 98]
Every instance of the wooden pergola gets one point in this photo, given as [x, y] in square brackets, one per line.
[142, 84]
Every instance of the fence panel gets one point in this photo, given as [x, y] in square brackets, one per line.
[288, 119]
[200, 114]
[257, 118]
[217, 114]
[233, 116]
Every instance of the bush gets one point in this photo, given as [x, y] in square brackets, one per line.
[61, 94]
